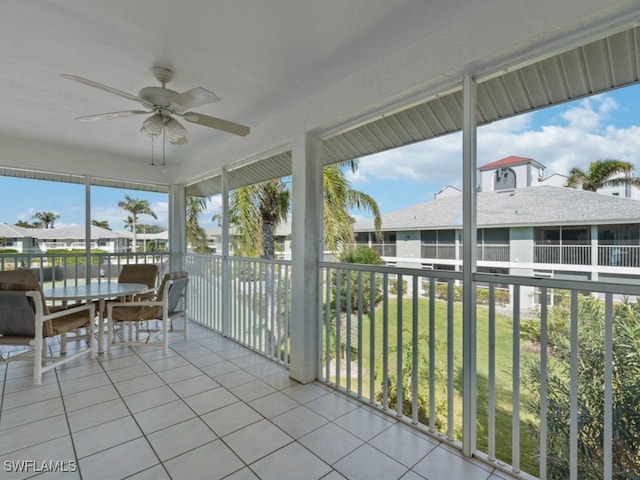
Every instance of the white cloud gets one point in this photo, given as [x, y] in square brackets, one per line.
[589, 114]
[576, 135]
[418, 162]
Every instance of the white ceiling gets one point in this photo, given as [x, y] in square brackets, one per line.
[281, 67]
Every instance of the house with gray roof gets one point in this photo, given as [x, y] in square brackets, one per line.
[40, 240]
[525, 227]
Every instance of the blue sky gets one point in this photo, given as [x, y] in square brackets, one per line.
[561, 137]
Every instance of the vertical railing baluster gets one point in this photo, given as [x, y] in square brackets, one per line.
[573, 394]
[385, 341]
[450, 360]
[359, 338]
[327, 325]
[338, 322]
[491, 427]
[432, 354]
[608, 387]
[262, 314]
[372, 337]
[544, 340]
[347, 340]
[414, 349]
[515, 418]
[399, 331]
[278, 313]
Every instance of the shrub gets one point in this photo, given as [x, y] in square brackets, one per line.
[361, 255]
[442, 291]
[393, 286]
[590, 380]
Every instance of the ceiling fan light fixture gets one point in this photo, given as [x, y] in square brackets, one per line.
[152, 125]
[174, 130]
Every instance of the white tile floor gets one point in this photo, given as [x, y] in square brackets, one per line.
[210, 409]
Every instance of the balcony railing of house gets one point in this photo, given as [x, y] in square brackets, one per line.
[493, 253]
[619, 255]
[486, 252]
[70, 268]
[54, 245]
[441, 251]
[82, 245]
[384, 249]
[563, 254]
[392, 337]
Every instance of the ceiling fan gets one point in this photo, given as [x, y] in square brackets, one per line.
[164, 104]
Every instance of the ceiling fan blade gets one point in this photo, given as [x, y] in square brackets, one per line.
[107, 88]
[217, 123]
[106, 116]
[180, 141]
[193, 98]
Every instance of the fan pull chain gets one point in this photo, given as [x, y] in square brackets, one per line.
[152, 163]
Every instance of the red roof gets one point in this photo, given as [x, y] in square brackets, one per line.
[508, 161]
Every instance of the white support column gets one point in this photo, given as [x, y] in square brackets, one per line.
[306, 251]
[226, 274]
[469, 264]
[177, 226]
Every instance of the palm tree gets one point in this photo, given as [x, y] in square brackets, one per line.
[25, 224]
[257, 210]
[136, 207]
[196, 235]
[101, 223]
[602, 173]
[46, 219]
[339, 198]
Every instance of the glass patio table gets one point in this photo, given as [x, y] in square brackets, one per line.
[99, 291]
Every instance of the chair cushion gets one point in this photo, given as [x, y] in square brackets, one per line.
[141, 313]
[146, 273]
[17, 317]
[135, 313]
[70, 322]
[25, 281]
[175, 292]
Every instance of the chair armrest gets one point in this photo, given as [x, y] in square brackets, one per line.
[62, 313]
[111, 306]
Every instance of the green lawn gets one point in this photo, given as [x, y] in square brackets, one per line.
[503, 370]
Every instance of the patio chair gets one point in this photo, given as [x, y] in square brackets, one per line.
[146, 273]
[164, 308]
[25, 320]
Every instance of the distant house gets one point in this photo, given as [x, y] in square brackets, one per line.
[527, 225]
[41, 240]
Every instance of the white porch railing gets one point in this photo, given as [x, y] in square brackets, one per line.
[259, 298]
[403, 353]
[551, 399]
